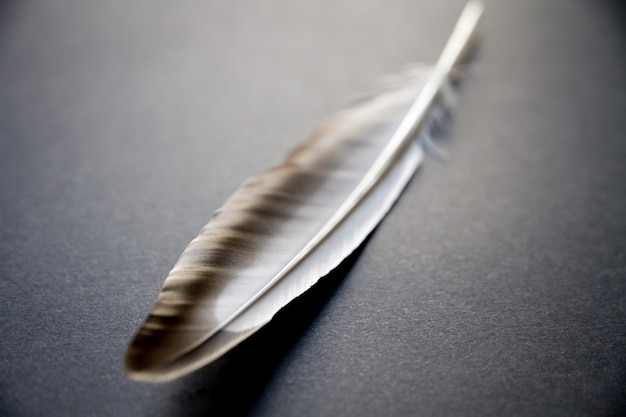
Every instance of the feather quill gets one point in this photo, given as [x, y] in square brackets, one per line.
[285, 228]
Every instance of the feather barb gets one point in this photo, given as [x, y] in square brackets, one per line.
[285, 228]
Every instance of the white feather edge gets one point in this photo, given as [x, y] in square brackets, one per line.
[335, 248]
[328, 256]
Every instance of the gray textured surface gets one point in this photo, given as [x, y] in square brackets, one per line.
[497, 286]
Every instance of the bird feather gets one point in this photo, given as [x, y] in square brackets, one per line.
[288, 226]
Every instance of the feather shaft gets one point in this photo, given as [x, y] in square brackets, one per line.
[458, 46]
[292, 223]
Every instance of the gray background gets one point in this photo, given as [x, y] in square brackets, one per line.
[497, 285]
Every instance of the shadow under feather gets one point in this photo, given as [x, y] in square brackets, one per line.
[232, 384]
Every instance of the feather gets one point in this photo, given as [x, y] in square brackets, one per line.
[285, 228]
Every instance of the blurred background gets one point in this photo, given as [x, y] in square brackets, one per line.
[496, 286]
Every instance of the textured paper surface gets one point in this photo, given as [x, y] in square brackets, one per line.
[495, 287]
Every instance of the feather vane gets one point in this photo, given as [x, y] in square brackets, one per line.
[285, 228]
